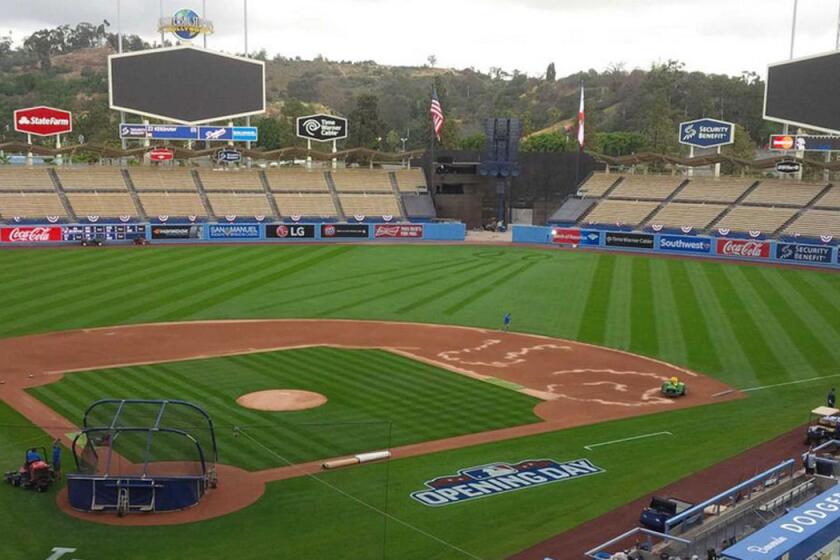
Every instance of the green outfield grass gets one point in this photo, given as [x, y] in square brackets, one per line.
[749, 326]
[376, 400]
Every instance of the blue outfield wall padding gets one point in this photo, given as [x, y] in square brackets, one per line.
[444, 231]
[532, 234]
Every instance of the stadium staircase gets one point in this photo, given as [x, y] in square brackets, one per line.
[802, 210]
[59, 189]
[397, 194]
[202, 194]
[731, 207]
[334, 194]
[132, 190]
[662, 204]
[604, 196]
[267, 190]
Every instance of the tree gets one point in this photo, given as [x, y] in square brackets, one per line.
[473, 142]
[432, 60]
[547, 142]
[618, 143]
[550, 73]
[270, 133]
[365, 125]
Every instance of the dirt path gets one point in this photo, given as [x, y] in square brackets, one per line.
[578, 383]
[695, 488]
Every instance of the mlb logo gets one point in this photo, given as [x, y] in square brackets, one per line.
[490, 471]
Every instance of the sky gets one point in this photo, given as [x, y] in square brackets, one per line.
[720, 36]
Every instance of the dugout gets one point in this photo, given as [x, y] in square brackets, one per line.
[142, 456]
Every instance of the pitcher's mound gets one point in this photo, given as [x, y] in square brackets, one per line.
[281, 400]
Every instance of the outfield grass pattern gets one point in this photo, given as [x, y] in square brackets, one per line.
[750, 326]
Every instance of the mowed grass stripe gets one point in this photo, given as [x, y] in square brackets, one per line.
[239, 283]
[315, 290]
[693, 312]
[568, 290]
[52, 268]
[670, 337]
[774, 328]
[594, 322]
[644, 336]
[487, 288]
[617, 333]
[818, 292]
[763, 361]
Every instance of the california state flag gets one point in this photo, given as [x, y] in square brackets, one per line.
[581, 120]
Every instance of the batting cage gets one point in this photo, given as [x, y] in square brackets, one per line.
[142, 455]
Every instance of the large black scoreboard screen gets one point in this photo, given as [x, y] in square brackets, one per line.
[104, 232]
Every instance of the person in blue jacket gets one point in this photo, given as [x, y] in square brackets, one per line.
[56, 457]
[32, 455]
[506, 321]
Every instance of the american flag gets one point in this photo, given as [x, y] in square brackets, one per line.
[437, 114]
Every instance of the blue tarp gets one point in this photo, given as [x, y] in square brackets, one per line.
[799, 534]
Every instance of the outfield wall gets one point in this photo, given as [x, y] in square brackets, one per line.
[755, 250]
[55, 234]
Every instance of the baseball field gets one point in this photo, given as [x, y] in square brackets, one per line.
[403, 342]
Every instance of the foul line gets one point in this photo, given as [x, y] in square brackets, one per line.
[790, 383]
[592, 446]
[362, 502]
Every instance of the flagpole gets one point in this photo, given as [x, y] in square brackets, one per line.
[577, 141]
[432, 154]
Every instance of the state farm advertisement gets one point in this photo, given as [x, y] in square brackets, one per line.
[43, 121]
[743, 248]
[398, 231]
[30, 234]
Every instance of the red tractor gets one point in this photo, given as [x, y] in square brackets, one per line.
[35, 473]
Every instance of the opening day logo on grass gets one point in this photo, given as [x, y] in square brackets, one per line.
[498, 478]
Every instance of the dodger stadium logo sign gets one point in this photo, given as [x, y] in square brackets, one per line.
[499, 478]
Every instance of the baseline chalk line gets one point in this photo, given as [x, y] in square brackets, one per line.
[592, 446]
[797, 382]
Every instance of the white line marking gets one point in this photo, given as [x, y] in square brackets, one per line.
[789, 383]
[592, 446]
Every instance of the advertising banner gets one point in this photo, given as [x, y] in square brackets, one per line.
[344, 230]
[233, 231]
[743, 248]
[630, 240]
[321, 128]
[566, 236]
[803, 253]
[186, 231]
[398, 231]
[707, 133]
[685, 244]
[43, 121]
[30, 234]
[186, 132]
[290, 231]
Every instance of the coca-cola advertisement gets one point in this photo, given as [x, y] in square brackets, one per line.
[30, 234]
[398, 231]
[743, 248]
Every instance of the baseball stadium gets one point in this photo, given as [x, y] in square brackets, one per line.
[213, 349]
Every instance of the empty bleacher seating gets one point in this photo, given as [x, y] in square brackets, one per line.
[831, 199]
[314, 205]
[30, 205]
[756, 218]
[92, 179]
[709, 189]
[172, 204]
[362, 180]
[779, 193]
[419, 206]
[162, 179]
[230, 180]
[572, 210]
[597, 184]
[295, 179]
[815, 223]
[370, 205]
[411, 180]
[647, 187]
[624, 212]
[681, 214]
[237, 204]
[29, 179]
[102, 204]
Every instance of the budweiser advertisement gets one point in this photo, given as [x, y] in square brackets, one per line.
[30, 234]
[398, 231]
[743, 248]
[43, 121]
[161, 154]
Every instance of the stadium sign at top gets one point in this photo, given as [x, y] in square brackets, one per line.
[186, 84]
[185, 25]
[707, 133]
[322, 128]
